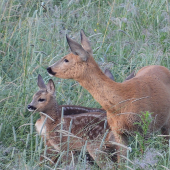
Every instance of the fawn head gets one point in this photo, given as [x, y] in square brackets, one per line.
[74, 64]
[44, 98]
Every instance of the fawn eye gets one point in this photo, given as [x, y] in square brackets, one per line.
[65, 60]
[41, 100]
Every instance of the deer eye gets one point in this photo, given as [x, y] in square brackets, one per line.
[41, 100]
[65, 60]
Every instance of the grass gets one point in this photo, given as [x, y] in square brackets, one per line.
[125, 35]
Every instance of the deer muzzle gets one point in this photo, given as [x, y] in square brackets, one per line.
[50, 71]
[31, 108]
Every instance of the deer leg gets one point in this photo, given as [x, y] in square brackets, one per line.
[110, 147]
[165, 131]
[51, 153]
[121, 139]
[100, 156]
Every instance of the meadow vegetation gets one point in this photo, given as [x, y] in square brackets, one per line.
[124, 34]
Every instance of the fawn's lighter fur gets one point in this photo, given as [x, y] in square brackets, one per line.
[124, 102]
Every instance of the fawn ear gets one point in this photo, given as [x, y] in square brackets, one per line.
[85, 43]
[51, 87]
[131, 75]
[40, 82]
[77, 49]
[108, 73]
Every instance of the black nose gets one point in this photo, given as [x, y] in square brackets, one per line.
[29, 107]
[50, 71]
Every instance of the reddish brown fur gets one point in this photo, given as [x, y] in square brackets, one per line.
[124, 102]
[85, 126]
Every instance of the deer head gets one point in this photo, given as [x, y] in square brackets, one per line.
[44, 98]
[75, 64]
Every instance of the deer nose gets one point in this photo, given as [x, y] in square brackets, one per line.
[50, 71]
[31, 108]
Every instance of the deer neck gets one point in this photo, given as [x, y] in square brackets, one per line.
[103, 89]
[52, 111]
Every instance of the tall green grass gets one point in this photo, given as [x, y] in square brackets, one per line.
[125, 35]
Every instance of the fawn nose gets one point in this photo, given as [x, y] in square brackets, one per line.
[29, 107]
[50, 71]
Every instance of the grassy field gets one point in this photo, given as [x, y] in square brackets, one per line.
[125, 35]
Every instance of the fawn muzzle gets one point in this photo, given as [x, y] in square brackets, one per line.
[31, 108]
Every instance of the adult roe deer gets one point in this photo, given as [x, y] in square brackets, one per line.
[85, 126]
[124, 102]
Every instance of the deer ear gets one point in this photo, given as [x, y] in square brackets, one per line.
[131, 75]
[85, 43]
[51, 87]
[108, 73]
[77, 49]
[40, 82]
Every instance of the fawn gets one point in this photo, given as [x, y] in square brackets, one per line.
[87, 126]
[124, 102]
